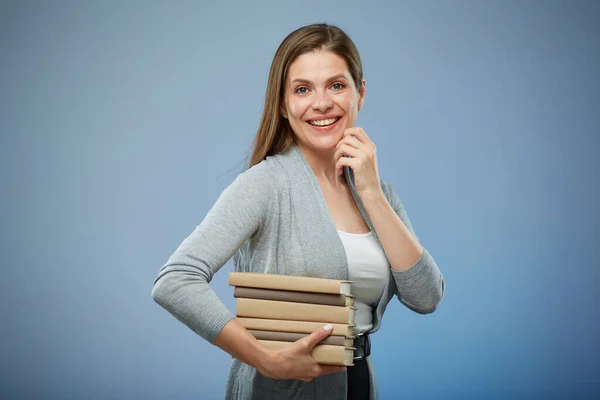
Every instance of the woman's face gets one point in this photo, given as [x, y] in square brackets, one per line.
[321, 100]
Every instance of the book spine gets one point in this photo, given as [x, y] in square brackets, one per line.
[293, 326]
[270, 309]
[321, 353]
[287, 282]
[292, 337]
[291, 296]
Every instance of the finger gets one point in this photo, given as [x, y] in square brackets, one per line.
[350, 140]
[344, 162]
[319, 334]
[367, 145]
[359, 133]
[346, 150]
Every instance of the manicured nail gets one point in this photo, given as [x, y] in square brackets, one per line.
[328, 327]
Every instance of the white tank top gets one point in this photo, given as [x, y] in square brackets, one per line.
[368, 269]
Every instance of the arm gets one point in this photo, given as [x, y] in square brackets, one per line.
[294, 362]
[402, 248]
[182, 286]
[419, 282]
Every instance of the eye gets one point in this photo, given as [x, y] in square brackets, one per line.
[301, 90]
[338, 86]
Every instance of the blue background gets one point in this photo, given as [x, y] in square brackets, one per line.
[122, 122]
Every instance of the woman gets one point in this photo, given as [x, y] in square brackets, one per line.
[311, 204]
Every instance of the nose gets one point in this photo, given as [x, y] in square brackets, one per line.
[321, 102]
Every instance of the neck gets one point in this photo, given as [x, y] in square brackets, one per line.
[323, 165]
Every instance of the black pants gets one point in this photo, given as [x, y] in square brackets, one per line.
[358, 381]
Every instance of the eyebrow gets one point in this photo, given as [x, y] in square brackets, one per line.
[333, 78]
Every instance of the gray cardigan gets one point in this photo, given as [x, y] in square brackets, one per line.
[274, 219]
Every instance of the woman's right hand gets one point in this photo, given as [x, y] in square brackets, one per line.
[295, 361]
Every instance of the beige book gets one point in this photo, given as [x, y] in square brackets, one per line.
[270, 309]
[293, 337]
[321, 353]
[297, 297]
[293, 326]
[290, 282]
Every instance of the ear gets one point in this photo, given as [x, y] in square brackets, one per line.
[283, 112]
[362, 91]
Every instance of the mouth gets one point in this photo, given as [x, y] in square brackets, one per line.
[324, 123]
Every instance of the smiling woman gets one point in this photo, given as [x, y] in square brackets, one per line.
[321, 100]
[312, 204]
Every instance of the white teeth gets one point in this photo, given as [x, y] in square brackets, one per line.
[323, 122]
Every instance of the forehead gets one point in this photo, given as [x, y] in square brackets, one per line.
[318, 65]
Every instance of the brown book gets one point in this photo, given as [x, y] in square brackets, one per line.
[293, 326]
[289, 282]
[292, 337]
[271, 309]
[321, 353]
[295, 297]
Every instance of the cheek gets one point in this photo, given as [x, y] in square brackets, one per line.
[354, 102]
[352, 111]
[352, 108]
[297, 109]
[293, 110]
[349, 103]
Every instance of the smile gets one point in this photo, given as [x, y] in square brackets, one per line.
[324, 122]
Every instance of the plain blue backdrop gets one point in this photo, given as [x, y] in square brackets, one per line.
[122, 121]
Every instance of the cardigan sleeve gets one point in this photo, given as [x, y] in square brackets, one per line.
[421, 287]
[182, 286]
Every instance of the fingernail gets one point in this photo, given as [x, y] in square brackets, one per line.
[328, 327]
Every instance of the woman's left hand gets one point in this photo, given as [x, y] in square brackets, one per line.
[362, 159]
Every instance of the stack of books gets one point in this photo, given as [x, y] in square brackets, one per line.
[280, 309]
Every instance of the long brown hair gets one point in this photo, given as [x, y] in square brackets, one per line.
[274, 132]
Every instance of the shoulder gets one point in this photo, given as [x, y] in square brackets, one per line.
[265, 177]
[251, 194]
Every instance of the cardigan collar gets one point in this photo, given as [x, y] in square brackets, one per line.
[321, 243]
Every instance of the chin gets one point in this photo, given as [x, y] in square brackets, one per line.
[326, 144]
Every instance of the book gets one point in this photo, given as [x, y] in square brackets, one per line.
[281, 309]
[290, 282]
[271, 309]
[292, 337]
[294, 296]
[293, 326]
[321, 353]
